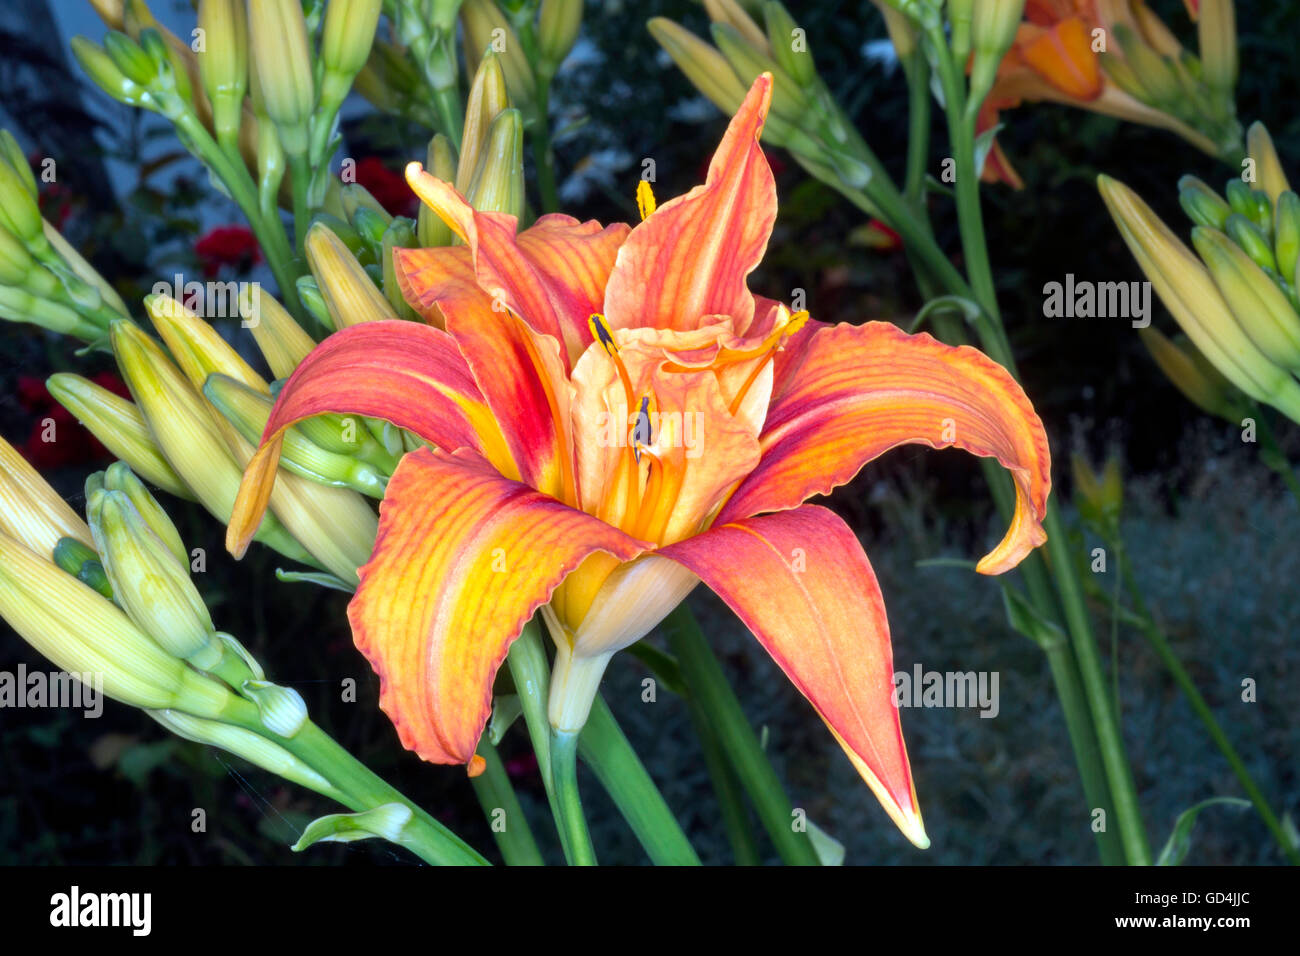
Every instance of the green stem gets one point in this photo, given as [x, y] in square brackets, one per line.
[543, 155]
[1160, 644]
[423, 835]
[611, 758]
[564, 779]
[300, 181]
[1271, 453]
[726, 787]
[708, 685]
[532, 677]
[496, 795]
[1119, 773]
[268, 229]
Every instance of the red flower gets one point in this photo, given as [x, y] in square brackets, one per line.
[227, 246]
[386, 186]
[56, 439]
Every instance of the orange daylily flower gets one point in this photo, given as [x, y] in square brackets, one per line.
[616, 417]
[1054, 59]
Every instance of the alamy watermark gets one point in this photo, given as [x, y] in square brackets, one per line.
[922, 688]
[38, 689]
[1084, 299]
[617, 429]
[215, 300]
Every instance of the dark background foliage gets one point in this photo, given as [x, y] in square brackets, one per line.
[1211, 532]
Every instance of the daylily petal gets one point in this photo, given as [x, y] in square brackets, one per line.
[1062, 55]
[845, 394]
[463, 558]
[818, 611]
[690, 258]
[551, 275]
[409, 374]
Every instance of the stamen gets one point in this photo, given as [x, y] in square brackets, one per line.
[770, 345]
[641, 432]
[645, 200]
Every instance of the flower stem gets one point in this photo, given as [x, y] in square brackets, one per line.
[1160, 644]
[611, 758]
[1119, 773]
[564, 780]
[361, 787]
[726, 787]
[708, 685]
[501, 806]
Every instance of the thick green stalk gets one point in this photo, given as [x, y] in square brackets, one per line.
[993, 337]
[505, 816]
[564, 780]
[1160, 644]
[611, 758]
[532, 676]
[543, 155]
[708, 685]
[423, 835]
[727, 789]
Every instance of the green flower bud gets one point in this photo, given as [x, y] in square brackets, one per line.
[346, 38]
[223, 64]
[498, 182]
[282, 341]
[558, 23]
[1252, 240]
[1202, 204]
[788, 101]
[282, 709]
[119, 426]
[350, 295]
[119, 477]
[789, 44]
[83, 633]
[130, 58]
[706, 68]
[1286, 234]
[12, 153]
[104, 73]
[282, 61]
[150, 585]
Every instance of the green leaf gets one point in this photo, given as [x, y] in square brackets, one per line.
[324, 579]
[506, 709]
[969, 310]
[1180, 841]
[1025, 619]
[829, 850]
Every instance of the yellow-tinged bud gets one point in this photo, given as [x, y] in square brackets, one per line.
[347, 35]
[280, 338]
[487, 29]
[1268, 168]
[487, 98]
[734, 16]
[31, 512]
[83, 633]
[1188, 291]
[119, 426]
[12, 153]
[149, 583]
[251, 746]
[349, 293]
[558, 23]
[961, 13]
[1260, 306]
[197, 347]
[440, 160]
[1154, 31]
[788, 101]
[19, 213]
[1193, 375]
[706, 68]
[498, 182]
[119, 477]
[400, 235]
[282, 61]
[1154, 72]
[223, 63]
[993, 29]
[104, 73]
[789, 44]
[1286, 235]
[111, 12]
[187, 432]
[1216, 31]
[249, 410]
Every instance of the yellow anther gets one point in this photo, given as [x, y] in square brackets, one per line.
[645, 199]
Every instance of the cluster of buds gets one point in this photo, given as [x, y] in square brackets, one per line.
[1236, 295]
[43, 279]
[1117, 58]
[804, 118]
[114, 602]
